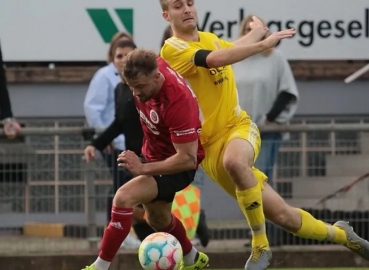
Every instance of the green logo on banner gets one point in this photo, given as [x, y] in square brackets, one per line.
[105, 24]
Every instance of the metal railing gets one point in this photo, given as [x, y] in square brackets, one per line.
[45, 183]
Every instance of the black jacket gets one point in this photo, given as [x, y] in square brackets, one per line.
[5, 107]
[127, 122]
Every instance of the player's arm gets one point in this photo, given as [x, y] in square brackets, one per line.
[233, 54]
[185, 159]
[185, 60]
[182, 118]
[251, 38]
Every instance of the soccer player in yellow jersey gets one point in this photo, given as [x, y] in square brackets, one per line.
[230, 139]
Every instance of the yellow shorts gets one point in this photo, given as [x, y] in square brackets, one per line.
[214, 152]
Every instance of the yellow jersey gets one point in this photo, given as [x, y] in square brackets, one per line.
[215, 88]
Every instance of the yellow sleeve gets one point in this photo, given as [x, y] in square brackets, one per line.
[225, 44]
[180, 56]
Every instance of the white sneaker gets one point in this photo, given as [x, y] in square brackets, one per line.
[131, 242]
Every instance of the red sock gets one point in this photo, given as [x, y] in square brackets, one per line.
[176, 229]
[117, 230]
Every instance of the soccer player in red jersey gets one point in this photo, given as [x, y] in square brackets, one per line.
[171, 149]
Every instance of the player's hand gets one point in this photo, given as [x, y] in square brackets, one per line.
[90, 153]
[130, 161]
[256, 23]
[11, 129]
[275, 37]
[258, 28]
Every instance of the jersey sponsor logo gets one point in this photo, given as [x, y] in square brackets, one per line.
[219, 72]
[149, 125]
[154, 116]
[185, 132]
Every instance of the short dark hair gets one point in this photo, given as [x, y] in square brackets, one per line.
[139, 62]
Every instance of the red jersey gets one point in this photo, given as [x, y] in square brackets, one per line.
[171, 116]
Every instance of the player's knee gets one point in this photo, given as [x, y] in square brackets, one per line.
[123, 198]
[233, 165]
[236, 167]
[159, 220]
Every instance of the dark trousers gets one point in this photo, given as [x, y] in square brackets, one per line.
[120, 177]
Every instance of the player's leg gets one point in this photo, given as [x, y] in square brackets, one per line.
[161, 218]
[141, 189]
[304, 225]
[241, 149]
[140, 226]
[238, 161]
[121, 177]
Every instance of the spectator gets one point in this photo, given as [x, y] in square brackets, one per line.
[126, 122]
[11, 126]
[267, 90]
[99, 100]
[118, 36]
[99, 106]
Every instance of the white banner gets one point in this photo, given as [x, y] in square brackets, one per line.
[70, 30]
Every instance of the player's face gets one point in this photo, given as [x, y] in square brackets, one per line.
[119, 55]
[144, 87]
[182, 15]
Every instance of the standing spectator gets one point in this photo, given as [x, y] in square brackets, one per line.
[126, 121]
[11, 127]
[99, 107]
[99, 100]
[267, 90]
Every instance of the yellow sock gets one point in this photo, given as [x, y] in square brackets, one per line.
[250, 202]
[312, 228]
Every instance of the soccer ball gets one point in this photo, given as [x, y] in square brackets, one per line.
[160, 251]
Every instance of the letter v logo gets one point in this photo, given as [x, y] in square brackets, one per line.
[104, 22]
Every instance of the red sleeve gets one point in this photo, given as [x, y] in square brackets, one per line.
[182, 118]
